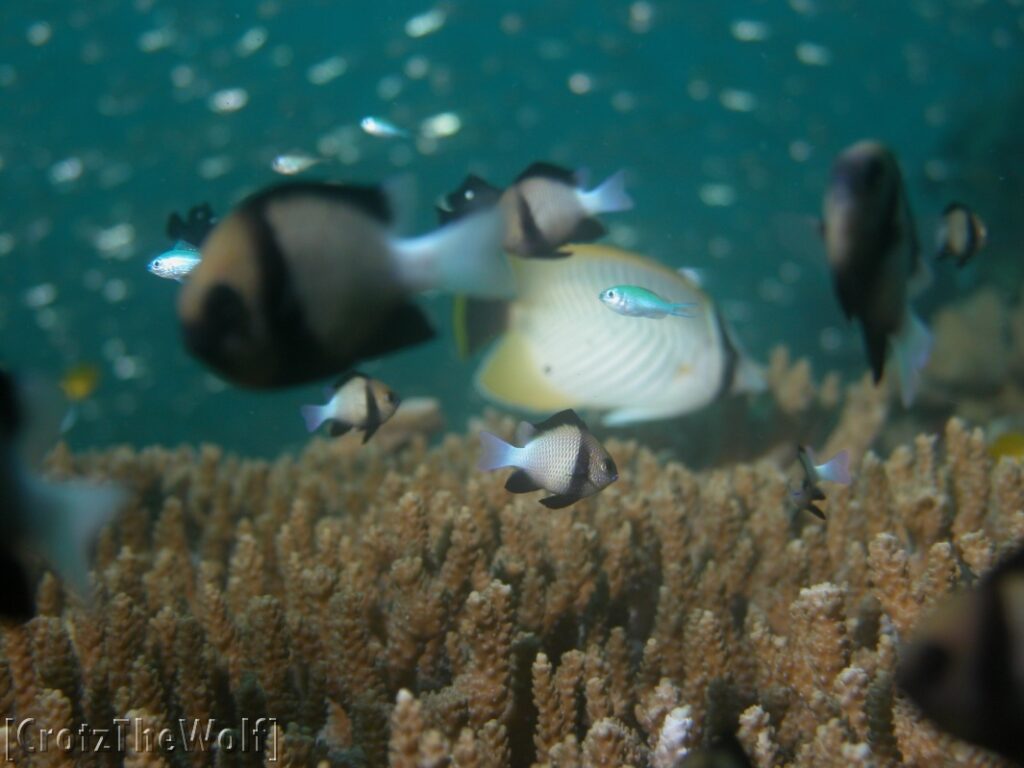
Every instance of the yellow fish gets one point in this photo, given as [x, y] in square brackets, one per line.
[1009, 444]
[80, 381]
[561, 348]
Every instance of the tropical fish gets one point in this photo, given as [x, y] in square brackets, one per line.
[383, 129]
[560, 348]
[545, 208]
[53, 522]
[875, 259]
[177, 263]
[634, 301]
[558, 455]
[79, 381]
[961, 234]
[963, 667]
[294, 163]
[357, 402]
[194, 227]
[304, 279]
[835, 470]
[1007, 444]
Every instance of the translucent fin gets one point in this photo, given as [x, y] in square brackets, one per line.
[836, 469]
[462, 257]
[609, 197]
[314, 416]
[911, 348]
[496, 453]
[525, 432]
[64, 520]
[683, 309]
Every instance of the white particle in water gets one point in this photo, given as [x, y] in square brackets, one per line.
[115, 290]
[214, 167]
[698, 89]
[253, 39]
[115, 241]
[6, 243]
[749, 30]
[40, 296]
[737, 100]
[154, 40]
[426, 23]
[830, 338]
[228, 100]
[441, 125]
[327, 70]
[182, 76]
[813, 55]
[641, 16]
[417, 67]
[389, 87]
[800, 150]
[39, 33]
[113, 348]
[580, 83]
[623, 101]
[717, 195]
[66, 171]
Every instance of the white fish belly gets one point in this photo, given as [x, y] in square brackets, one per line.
[603, 360]
[550, 458]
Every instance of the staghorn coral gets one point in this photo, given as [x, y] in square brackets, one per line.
[404, 609]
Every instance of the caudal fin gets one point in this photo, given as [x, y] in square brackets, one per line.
[911, 348]
[496, 452]
[65, 520]
[462, 257]
[314, 416]
[683, 309]
[610, 196]
[836, 469]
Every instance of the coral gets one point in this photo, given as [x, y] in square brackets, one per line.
[398, 607]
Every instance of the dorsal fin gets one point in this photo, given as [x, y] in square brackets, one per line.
[346, 377]
[561, 419]
[371, 200]
[472, 195]
[543, 170]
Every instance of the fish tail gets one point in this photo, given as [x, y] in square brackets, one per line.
[912, 347]
[314, 416]
[462, 257]
[65, 521]
[836, 469]
[682, 309]
[496, 453]
[610, 196]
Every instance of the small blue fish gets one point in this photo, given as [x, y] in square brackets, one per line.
[176, 263]
[634, 301]
[835, 470]
[382, 129]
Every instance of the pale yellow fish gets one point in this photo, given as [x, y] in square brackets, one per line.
[564, 349]
[80, 381]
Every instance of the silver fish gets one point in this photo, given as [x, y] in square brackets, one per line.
[294, 163]
[383, 129]
[177, 263]
[559, 455]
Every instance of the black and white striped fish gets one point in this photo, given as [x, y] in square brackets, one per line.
[960, 235]
[545, 208]
[558, 455]
[357, 402]
[965, 665]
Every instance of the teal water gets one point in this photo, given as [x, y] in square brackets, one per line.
[108, 127]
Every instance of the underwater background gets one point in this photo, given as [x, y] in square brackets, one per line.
[726, 117]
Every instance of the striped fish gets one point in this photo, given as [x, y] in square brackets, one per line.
[559, 455]
[561, 348]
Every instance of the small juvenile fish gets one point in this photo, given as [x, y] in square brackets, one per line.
[963, 665]
[559, 455]
[835, 470]
[80, 381]
[961, 234]
[193, 227]
[357, 402]
[545, 208]
[294, 163]
[383, 129]
[176, 263]
[634, 301]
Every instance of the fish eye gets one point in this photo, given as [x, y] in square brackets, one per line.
[157, 263]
